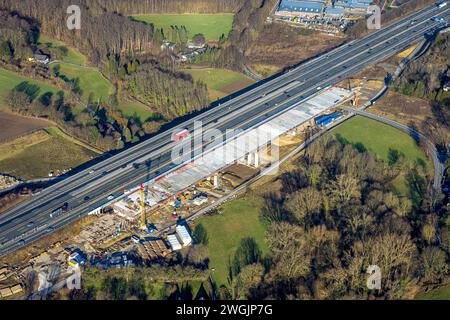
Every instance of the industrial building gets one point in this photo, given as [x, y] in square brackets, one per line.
[334, 12]
[300, 8]
[353, 6]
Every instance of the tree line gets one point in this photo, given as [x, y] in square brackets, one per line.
[167, 6]
[100, 125]
[101, 32]
[173, 94]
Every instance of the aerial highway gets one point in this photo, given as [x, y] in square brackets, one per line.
[90, 189]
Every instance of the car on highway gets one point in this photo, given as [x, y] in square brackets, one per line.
[441, 5]
[21, 242]
[30, 224]
[135, 239]
[438, 19]
[50, 229]
[110, 197]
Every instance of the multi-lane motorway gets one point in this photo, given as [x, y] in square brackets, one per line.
[88, 189]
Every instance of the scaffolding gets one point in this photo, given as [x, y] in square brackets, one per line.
[142, 203]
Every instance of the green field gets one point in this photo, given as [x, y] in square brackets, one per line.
[91, 81]
[51, 151]
[240, 218]
[436, 294]
[72, 55]
[212, 26]
[136, 109]
[220, 82]
[378, 138]
[9, 80]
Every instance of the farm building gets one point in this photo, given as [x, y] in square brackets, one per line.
[40, 57]
[300, 8]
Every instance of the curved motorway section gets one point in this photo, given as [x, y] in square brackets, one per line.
[98, 185]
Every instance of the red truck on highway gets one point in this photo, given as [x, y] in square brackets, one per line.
[180, 134]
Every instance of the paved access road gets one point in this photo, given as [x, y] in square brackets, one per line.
[87, 190]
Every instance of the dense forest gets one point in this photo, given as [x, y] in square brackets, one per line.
[102, 32]
[426, 76]
[16, 34]
[105, 27]
[248, 23]
[336, 215]
[175, 94]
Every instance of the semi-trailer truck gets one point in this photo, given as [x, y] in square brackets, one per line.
[180, 134]
[57, 212]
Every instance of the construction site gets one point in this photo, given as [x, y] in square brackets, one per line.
[156, 218]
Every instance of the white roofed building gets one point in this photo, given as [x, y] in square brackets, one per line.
[183, 235]
[173, 242]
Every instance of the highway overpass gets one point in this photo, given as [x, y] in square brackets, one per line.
[86, 191]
